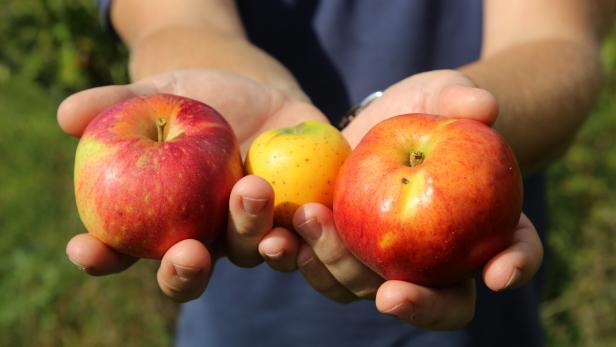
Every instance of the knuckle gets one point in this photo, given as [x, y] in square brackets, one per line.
[181, 289]
[249, 228]
[178, 292]
[362, 282]
[308, 264]
[365, 293]
[323, 282]
[333, 290]
[334, 256]
[318, 277]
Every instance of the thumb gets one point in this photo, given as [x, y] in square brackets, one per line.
[76, 111]
[461, 101]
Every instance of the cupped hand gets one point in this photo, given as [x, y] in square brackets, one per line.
[250, 108]
[330, 268]
[440, 92]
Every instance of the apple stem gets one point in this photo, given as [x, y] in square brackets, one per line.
[416, 158]
[160, 127]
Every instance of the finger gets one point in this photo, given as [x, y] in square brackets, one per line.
[319, 277]
[185, 270]
[279, 249]
[435, 309]
[76, 111]
[251, 207]
[314, 223]
[96, 258]
[518, 263]
[462, 101]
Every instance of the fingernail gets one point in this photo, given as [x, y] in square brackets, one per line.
[186, 273]
[79, 266]
[252, 205]
[513, 279]
[405, 309]
[274, 255]
[310, 230]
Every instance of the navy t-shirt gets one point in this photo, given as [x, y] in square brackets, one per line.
[340, 51]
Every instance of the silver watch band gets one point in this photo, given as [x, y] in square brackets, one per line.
[352, 113]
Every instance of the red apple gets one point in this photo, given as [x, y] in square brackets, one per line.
[427, 199]
[154, 170]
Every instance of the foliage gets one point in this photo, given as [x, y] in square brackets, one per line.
[51, 48]
[581, 293]
[58, 44]
[45, 300]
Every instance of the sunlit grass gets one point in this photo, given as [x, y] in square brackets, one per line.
[44, 299]
[580, 308]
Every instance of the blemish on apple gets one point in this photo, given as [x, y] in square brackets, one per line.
[386, 205]
[387, 240]
[142, 161]
[111, 175]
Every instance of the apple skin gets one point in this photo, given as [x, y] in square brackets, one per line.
[301, 163]
[436, 223]
[141, 196]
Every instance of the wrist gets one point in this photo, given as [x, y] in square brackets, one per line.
[191, 48]
[169, 49]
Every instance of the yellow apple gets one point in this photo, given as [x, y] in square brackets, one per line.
[301, 163]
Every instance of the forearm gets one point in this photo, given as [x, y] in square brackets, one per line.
[545, 90]
[193, 34]
[187, 48]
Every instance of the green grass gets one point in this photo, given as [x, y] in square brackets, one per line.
[45, 300]
[581, 292]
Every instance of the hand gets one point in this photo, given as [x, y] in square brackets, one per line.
[250, 108]
[441, 92]
[330, 268]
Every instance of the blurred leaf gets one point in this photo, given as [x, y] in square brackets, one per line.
[45, 300]
[50, 49]
[60, 44]
[580, 301]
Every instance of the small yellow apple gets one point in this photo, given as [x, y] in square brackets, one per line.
[301, 163]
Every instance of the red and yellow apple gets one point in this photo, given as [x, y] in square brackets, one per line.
[154, 170]
[301, 163]
[427, 199]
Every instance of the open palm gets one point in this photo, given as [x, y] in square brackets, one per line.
[330, 268]
[250, 108]
[441, 92]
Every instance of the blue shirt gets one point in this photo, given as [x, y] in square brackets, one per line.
[340, 51]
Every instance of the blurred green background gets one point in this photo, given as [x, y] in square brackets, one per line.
[49, 49]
